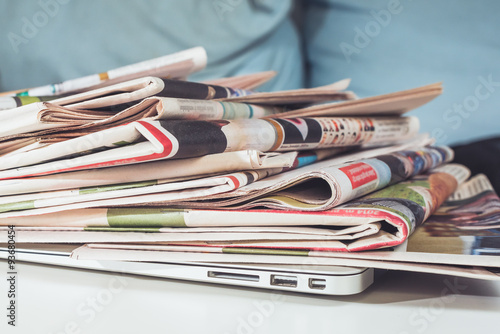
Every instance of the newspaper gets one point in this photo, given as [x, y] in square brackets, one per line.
[299, 96]
[167, 235]
[180, 108]
[18, 145]
[130, 193]
[467, 225]
[176, 65]
[399, 209]
[62, 112]
[199, 91]
[157, 170]
[148, 140]
[327, 184]
[463, 231]
[395, 103]
[155, 221]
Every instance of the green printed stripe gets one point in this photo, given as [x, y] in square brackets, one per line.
[264, 251]
[122, 229]
[231, 110]
[121, 143]
[403, 190]
[18, 206]
[121, 186]
[290, 201]
[24, 100]
[223, 110]
[145, 217]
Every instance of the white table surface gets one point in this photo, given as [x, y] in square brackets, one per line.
[61, 300]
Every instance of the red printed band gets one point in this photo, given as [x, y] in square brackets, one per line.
[153, 130]
[359, 174]
[161, 137]
[235, 180]
[158, 135]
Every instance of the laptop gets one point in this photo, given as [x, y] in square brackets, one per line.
[321, 280]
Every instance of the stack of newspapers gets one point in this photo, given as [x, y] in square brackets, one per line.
[140, 164]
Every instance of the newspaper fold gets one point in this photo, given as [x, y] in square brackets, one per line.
[155, 170]
[299, 96]
[133, 192]
[395, 103]
[75, 110]
[329, 183]
[148, 140]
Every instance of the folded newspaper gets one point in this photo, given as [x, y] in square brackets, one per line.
[149, 140]
[173, 170]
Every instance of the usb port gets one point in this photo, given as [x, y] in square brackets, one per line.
[317, 283]
[281, 280]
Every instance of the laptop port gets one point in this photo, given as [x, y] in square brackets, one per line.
[233, 276]
[282, 280]
[317, 283]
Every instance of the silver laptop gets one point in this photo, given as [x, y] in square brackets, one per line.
[324, 280]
